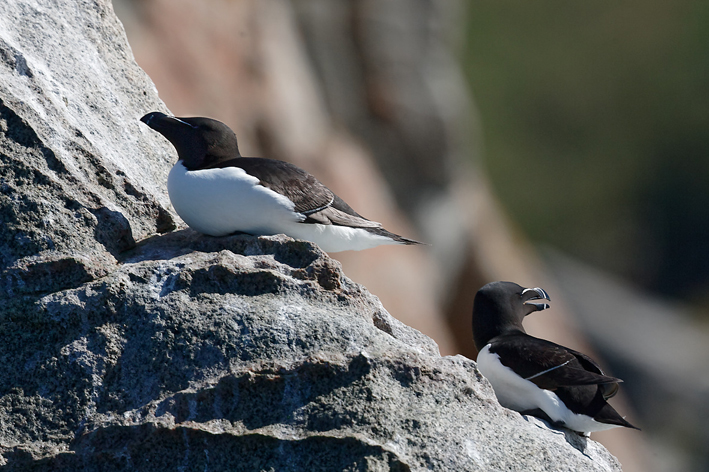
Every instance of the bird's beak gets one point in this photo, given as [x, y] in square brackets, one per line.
[160, 121]
[536, 293]
[152, 118]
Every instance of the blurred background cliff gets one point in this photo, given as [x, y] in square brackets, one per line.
[561, 145]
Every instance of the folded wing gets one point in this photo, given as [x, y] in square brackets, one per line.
[549, 365]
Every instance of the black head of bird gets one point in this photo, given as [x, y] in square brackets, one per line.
[200, 142]
[500, 307]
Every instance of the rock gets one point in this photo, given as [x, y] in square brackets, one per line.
[75, 188]
[255, 353]
[127, 346]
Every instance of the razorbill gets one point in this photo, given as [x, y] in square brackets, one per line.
[218, 192]
[534, 376]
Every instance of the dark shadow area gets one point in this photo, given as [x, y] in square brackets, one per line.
[576, 440]
[269, 397]
[150, 448]
[113, 231]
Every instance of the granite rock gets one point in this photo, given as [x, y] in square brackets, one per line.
[76, 188]
[255, 354]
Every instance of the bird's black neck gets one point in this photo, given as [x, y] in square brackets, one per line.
[485, 329]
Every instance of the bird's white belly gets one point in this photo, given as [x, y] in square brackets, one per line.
[333, 238]
[221, 201]
[519, 394]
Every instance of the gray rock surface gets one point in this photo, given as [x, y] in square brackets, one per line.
[75, 185]
[124, 346]
[256, 353]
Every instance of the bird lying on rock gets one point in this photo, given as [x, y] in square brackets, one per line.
[218, 192]
[534, 376]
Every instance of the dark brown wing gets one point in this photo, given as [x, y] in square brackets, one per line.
[340, 213]
[609, 389]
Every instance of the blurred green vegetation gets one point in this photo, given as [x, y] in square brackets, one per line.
[595, 120]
